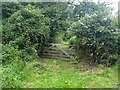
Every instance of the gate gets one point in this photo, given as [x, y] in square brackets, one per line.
[59, 51]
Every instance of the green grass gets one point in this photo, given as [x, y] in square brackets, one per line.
[64, 46]
[62, 74]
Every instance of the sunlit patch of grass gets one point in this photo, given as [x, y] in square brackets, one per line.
[62, 74]
[64, 46]
[65, 42]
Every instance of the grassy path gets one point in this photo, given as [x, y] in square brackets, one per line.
[61, 74]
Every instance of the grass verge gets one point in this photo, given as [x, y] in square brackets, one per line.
[50, 73]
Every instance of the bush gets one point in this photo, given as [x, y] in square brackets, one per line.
[25, 28]
[12, 74]
[112, 59]
[72, 40]
[24, 37]
[9, 54]
[14, 66]
[95, 40]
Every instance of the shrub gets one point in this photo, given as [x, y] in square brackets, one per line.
[12, 74]
[94, 39]
[112, 59]
[72, 40]
[25, 28]
[10, 54]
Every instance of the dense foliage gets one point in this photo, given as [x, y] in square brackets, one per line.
[96, 34]
[28, 27]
